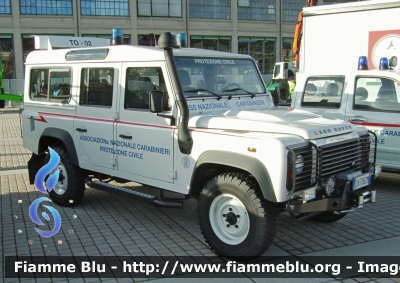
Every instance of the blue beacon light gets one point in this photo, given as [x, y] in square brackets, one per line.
[363, 63]
[383, 63]
[117, 36]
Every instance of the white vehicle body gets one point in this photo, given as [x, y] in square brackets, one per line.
[100, 109]
[333, 39]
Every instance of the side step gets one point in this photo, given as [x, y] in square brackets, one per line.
[130, 193]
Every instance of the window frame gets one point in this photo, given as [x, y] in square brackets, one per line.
[319, 94]
[369, 107]
[7, 8]
[85, 7]
[150, 2]
[42, 8]
[201, 8]
[140, 70]
[263, 15]
[47, 81]
[86, 82]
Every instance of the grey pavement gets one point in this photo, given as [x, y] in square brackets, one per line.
[104, 224]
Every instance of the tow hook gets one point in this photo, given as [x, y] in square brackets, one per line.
[368, 196]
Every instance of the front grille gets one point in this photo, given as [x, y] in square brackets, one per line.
[328, 160]
[340, 157]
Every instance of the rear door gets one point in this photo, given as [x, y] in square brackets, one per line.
[96, 114]
[374, 102]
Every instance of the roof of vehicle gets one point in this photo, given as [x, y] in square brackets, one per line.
[350, 7]
[120, 53]
[366, 73]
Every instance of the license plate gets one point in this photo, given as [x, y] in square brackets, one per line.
[361, 181]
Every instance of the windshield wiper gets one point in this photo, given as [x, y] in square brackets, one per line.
[238, 88]
[203, 89]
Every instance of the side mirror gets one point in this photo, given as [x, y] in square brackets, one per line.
[156, 101]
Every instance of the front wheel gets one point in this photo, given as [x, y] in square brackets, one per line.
[235, 220]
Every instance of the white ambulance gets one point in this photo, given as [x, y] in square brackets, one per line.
[332, 81]
[195, 122]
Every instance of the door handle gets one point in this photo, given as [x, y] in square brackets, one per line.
[81, 130]
[358, 119]
[125, 137]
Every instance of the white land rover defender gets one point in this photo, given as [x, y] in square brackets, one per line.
[195, 122]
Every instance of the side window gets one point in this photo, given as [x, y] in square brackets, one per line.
[379, 94]
[139, 83]
[51, 85]
[60, 85]
[96, 87]
[324, 92]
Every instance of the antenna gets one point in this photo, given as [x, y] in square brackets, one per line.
[154, 33]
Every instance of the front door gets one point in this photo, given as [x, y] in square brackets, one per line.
[376, 105]
[144, 140]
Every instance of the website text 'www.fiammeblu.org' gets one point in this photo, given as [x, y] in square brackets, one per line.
[289, 268]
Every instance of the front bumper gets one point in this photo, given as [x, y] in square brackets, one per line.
[345, 200]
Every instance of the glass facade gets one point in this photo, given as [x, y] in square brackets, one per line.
[287, 54]
[6, 51]
[210, 9]
[218, 43]
[262, 50]
[105, 8]
[5, 7]
[291, 9]
[257, 10]
[160, 8]
[46, 7]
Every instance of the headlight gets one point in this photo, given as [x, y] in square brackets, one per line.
[299, 164]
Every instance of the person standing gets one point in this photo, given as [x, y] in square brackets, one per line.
[292, 85]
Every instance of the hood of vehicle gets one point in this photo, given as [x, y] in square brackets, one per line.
[296, 122]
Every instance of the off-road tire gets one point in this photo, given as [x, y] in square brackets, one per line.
[236, 191]
[328, 217]
[75, 188]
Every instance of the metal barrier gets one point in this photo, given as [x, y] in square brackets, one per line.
[13, 86]
[13, 92]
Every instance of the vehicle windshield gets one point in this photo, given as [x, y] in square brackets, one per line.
[218, 77]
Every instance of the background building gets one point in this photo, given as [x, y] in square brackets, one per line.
[262, 28]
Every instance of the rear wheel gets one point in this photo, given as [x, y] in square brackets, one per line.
[70, 188]
[235, 220]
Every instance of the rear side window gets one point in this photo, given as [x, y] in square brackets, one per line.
[377, 94]
[50, 84]
[96, 87]
[324, 92]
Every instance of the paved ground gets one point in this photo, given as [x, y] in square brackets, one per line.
[108, 225]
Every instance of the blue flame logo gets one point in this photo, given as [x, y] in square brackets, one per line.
[51, 181]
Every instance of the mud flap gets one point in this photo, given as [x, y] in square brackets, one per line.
[34, 164]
